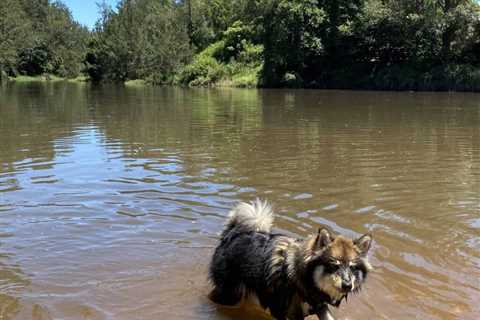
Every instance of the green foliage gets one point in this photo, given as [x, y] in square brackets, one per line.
[234, 41]
[243, 75]
[372, 44]
[66, 41]
[140, 40]
[38, 36]
[209, 19]
[205, 70]
[291, 37]
[38, 78]
[246, 79]
[251, 54]
[34, 60]
[233, 60]
[14, 29]
[375, 44]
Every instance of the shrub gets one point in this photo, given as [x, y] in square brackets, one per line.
[234, 60]
[34, 60]
[234, 41]
[251, 54]
[246, 77]
[203, 71]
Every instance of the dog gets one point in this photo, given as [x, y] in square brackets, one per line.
[291, 278]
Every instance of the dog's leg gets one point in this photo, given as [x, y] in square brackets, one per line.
[323, 313]
[226, 296]
[296, 312]
[279, 316]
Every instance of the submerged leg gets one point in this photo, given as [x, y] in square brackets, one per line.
[323, 313]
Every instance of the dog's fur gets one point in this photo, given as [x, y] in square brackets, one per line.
[292, 278]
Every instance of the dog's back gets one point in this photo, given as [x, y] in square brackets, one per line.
[240, 261]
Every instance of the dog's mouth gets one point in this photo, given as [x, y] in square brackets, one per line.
[346, 291]
[347, 287]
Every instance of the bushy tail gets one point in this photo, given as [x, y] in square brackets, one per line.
[254, 216]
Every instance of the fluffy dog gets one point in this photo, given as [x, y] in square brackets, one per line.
[292, 278]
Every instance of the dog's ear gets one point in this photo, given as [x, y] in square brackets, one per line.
[322, 239]
[363, 243]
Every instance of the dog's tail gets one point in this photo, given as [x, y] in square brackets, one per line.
[254, 216]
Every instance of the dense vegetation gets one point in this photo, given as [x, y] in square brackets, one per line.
[40, 37]
[377, 44]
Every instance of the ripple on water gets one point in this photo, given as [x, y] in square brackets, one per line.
[475, 223]
[365, 209]
[330, 207]
[302, 196]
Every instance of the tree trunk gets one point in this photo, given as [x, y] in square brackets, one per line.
[190, 22]
[449, 32]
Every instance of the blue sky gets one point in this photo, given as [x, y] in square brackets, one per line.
[86, 11]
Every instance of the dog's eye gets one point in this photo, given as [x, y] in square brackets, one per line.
[335, 262]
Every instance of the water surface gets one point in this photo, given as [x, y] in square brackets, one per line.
[112, 198]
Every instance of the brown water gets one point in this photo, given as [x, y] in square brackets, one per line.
[112, 198]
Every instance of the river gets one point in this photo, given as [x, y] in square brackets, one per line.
[112, 198]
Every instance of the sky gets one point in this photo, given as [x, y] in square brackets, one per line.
[86, 11]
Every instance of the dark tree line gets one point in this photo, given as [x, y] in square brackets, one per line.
[389, 44]
[378, 44]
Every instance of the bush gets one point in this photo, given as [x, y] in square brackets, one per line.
[252, 54]
[246, 77]
[234, 61]
[203, 71]
[234, 41]
[34, 60]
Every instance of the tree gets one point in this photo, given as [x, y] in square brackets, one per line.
[291, 38]
[34, 30]
[142, 40]
[15, 29]
[34, 60]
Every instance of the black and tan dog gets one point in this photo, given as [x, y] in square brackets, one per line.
[291, 278]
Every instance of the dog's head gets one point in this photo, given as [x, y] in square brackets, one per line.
[339, 264]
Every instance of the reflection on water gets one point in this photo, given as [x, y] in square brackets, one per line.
[111, 198]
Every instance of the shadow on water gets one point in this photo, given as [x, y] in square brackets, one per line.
[113, 196]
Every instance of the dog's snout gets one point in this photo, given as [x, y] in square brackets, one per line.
[347, 285]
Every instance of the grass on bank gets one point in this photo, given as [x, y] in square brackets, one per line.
[136, 83]
[39, 78]
[78, 79]
[47, 78]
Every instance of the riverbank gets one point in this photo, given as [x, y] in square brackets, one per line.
[368, 45]
[209, 71]
[46, 78]
[206, 71]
